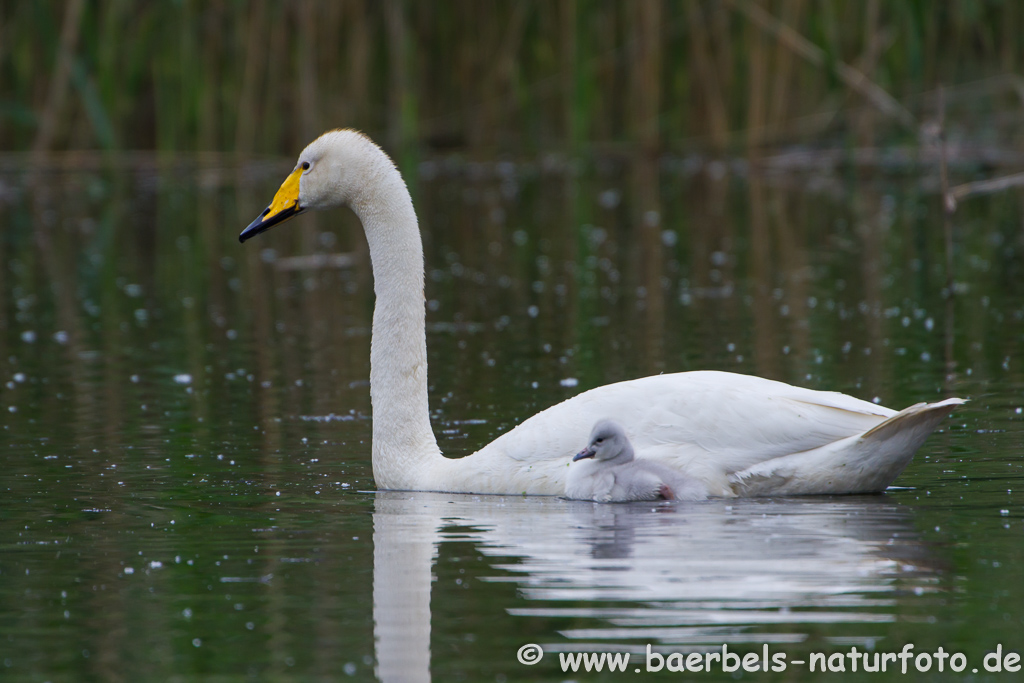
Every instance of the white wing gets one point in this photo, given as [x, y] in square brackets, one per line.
[708, 425]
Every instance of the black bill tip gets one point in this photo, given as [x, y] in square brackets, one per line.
[262, 223]
[585, 453]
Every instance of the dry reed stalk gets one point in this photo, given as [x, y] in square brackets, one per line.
[607, 119]
[206, 139]
[309, 96]
[981, 187]
[275, 126]
[254, 66]
[308, 100]
[792, 12]
[488, 112]
[57, 92]
[569, 68]
[864, 123]
[854, 79]
[710, 93]
[727, 48]
[329, 62]
[357, 82]
[645, 77]
[757, 92]
[398, 73]
[505, 66]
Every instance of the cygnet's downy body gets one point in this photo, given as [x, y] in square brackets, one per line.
[611, 474]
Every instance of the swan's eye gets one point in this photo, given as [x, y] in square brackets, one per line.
[599, 440]
[305, 165]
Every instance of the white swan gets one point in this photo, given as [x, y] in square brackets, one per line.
[613, 475]
[737, 435]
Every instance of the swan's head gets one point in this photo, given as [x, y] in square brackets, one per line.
[608, 441]
[332, 171]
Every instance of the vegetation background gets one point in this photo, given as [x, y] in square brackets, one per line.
[264, 77]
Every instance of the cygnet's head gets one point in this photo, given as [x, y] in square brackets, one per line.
[608, 441]
[333, 171]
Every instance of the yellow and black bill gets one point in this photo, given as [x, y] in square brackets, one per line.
[284, 206]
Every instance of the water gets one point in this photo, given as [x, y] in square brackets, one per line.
[185, 426]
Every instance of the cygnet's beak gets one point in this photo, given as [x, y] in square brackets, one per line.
[284, 206]
[587, 452]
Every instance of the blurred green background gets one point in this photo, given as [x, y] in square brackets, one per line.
[265, 77]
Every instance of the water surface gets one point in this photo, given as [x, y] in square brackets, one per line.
[187, 492]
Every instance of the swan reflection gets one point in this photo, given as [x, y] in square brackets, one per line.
[691, 574]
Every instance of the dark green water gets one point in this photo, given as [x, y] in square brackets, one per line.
[186, 490]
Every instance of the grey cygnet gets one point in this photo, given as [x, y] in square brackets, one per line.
[615, 475]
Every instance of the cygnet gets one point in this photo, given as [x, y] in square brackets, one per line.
[614, 475]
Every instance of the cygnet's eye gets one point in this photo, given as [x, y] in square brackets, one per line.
[305, 165]
[599, 439]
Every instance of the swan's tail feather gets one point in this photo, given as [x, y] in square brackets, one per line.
[920, 418]
[864, 463]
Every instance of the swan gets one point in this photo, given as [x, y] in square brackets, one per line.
[737, 435]
[614, 475]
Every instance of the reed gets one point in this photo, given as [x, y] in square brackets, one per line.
[262, 77]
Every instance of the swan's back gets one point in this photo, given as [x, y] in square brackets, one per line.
[705, 424]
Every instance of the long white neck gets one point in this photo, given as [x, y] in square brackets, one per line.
[404, 446]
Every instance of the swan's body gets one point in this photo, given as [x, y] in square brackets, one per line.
[735, 434]
[607, 471]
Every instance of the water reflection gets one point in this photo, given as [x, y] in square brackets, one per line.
[690, 576]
